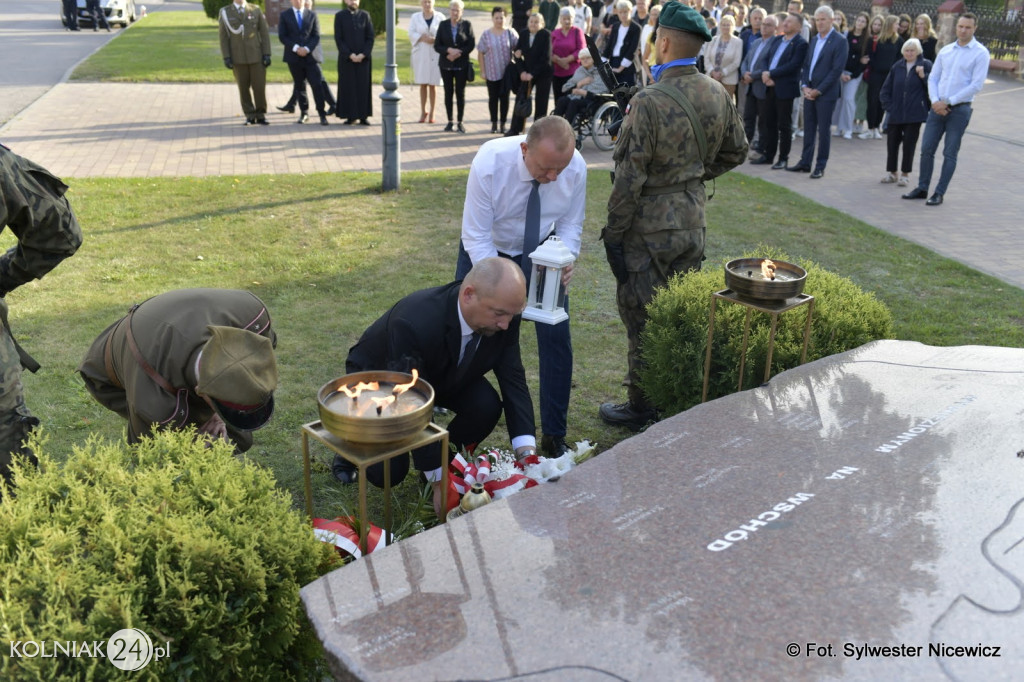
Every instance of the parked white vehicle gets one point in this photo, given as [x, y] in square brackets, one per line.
[117, 12]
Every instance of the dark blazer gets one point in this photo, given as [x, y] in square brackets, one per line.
[629, 44]
[856, 51]
[883, 56]
[464, 40]
[905, 95]
[755, 68]
[290, 34]
[537, 57]
[828, 68]
[786, 73]
[423, 331]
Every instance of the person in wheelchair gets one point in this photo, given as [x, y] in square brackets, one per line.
[582, 91]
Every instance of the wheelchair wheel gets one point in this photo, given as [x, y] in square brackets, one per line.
[607, 116]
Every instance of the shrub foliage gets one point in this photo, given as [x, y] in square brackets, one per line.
[675, 339]
[212, 8]
[186, 543]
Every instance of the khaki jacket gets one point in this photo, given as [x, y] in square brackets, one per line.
[244, 36]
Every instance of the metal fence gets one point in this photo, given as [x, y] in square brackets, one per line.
[1000, 31]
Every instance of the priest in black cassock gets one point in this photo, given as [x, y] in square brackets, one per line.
[353, 33]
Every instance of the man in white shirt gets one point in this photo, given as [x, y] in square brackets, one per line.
[958, 75]
[501, 180]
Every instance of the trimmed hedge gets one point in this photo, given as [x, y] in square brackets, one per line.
[675, 338]
[187, 543]
[212, 8]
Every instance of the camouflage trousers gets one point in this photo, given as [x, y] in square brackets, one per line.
[634, 295]
[15, 420]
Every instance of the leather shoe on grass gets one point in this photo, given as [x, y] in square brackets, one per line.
[799, 168]
[916, 193]
[343, 470]
[818, 173]
[553, 446]
[934, 200]
[624, 414]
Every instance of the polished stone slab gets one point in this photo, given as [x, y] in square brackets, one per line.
[871, 499]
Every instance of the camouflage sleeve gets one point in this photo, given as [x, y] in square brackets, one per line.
[733, 150]
[633, 153]
[34, 208]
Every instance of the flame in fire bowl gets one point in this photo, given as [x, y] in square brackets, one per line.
[390, 406]
[746, 278]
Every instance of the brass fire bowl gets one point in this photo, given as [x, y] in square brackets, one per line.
[743, 276]
[359, 422]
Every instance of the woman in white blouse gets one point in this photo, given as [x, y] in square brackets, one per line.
[425, 72]
[722, 56]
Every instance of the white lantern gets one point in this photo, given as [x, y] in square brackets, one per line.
[545, 301]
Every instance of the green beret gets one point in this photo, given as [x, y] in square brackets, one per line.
[682, 17]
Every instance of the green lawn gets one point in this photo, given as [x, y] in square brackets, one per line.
[184, 47]
[328, 254]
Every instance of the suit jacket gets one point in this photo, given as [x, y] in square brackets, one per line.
[829, 67]
[538, 56]
[422, 331]
[757, 87]
[786, 73]
[289, 33]
[629, 43]
[464, 40]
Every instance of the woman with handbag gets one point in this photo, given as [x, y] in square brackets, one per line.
[535, 49]
[453, 44]
[495, 51]
[624, 39]
[422, 30]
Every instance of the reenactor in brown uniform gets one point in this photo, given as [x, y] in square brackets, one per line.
[33, 206]
[245, 46]
[677, 133]
[202, 357]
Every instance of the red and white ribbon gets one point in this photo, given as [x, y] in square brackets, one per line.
[340, 533]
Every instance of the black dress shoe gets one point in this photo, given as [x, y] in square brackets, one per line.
[501, 129]
[553, 446]
[250, 121]
[494, 129]
[263, 121]
[934, 200]
[760, 161]
[624, 414]
[916, 193]
[450, 127]
[348, 121]
[287, 110]
[343, 470]
[303, 117]
[363, 122]
[779, 165]
[818, 173]
[799, 168]
[459, 127]
[331, 111]
[323, 119]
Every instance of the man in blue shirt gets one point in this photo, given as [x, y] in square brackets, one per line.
[958, 75]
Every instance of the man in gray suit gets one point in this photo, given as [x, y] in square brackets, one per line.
[820, 86]
[753, 64]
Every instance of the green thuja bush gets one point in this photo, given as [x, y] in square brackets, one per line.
[189, 544]
[675, 339]
[212, 8]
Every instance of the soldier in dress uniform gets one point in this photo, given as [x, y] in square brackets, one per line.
[245, 46]
[662, 157]
[33, 206]
[202, 357]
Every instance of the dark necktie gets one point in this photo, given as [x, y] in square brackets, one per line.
[531, 237]
[467, 355]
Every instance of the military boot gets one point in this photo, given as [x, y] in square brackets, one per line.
[627, 414]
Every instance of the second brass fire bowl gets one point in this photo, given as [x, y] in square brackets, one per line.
[357, 420]
[743, 276]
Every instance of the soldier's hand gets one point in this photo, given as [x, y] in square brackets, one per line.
[228, 63]
[616, 255]
[266, 60]
[214, 428]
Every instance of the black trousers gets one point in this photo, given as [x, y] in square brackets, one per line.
[454, 84]
[901, 135]
[776, 121]
[541, 93]
[307, 70]
[750, 116]
[98, 16]
[71, 13]
[497, 101]
[875, 110]
[477, 409]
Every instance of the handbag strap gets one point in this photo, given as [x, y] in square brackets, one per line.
[691, 113]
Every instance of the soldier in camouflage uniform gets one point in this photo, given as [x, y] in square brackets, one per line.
[656, 219]
[33, 206]
[245, 46]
